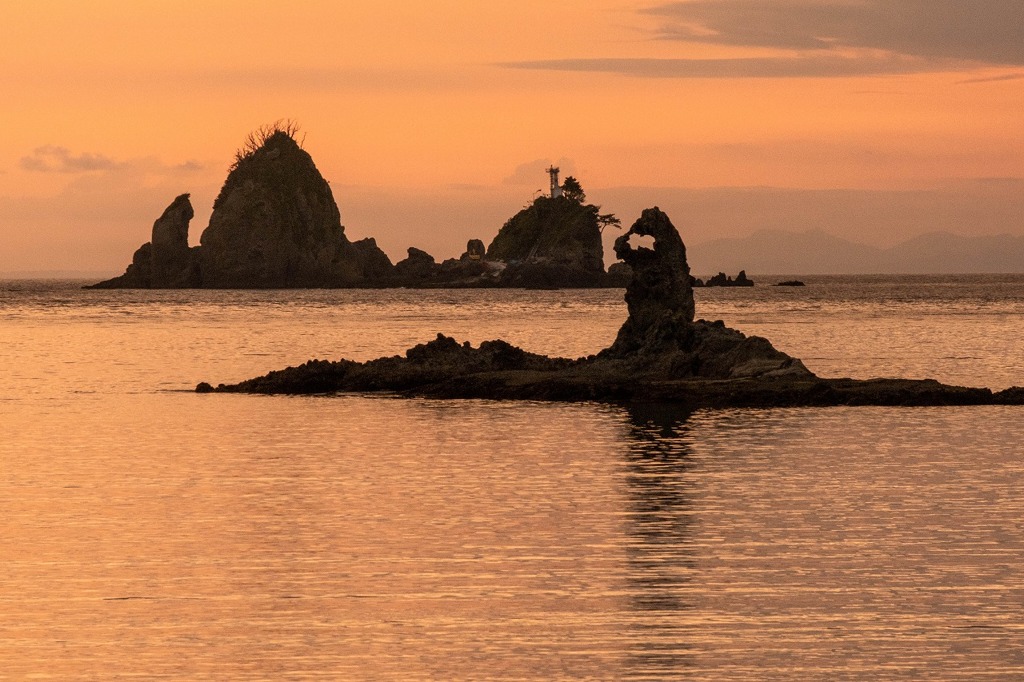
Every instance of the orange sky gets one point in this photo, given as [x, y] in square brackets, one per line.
[420, 113]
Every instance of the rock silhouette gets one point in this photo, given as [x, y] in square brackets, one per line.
[166, 261]
[475, 250]
[555, 241]
[661, 354]
[723, 280]
[659, 295]
[276, 224]
[174, 263]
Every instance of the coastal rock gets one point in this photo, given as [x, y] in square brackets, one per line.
[419, 266]
[166, 261]
[555, 241]
[475, 250]
[275, 224]
[174, 264]
[722, 280]
[619, 275]
[660, 351]
[374, 265]
[660, 337]
[659, 296]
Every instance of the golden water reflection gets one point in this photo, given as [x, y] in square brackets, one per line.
[659, 545]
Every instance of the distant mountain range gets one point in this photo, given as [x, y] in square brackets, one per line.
[815, 252]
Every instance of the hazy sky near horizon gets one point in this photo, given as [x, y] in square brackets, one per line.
[433, 121]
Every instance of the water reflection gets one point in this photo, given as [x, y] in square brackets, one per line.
[659, 548]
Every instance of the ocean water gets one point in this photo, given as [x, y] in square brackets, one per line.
[147, 532]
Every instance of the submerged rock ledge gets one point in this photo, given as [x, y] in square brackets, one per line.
[660, 355]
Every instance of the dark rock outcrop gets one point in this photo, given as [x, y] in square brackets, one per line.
[174, 263]
[166, 261]
[659, 296]
[475, 250]
[660, 355]
[619, 275]
[660, 338]
[555, 241]
[722, 280]
[418, 267]
[790, 283]
[276, 224]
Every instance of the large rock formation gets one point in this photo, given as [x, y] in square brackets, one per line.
[660, 354]
[660, 337]
[556, 241]
[166, 261]
[659, 296]
[276, 224]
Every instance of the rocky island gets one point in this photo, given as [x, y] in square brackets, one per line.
[275, 224]
[661, 354]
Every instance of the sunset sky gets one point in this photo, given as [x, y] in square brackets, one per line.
[872, 119]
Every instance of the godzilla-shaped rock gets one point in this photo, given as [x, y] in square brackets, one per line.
[166, 261]
[275, 224]
[659, 296]
[660, 337]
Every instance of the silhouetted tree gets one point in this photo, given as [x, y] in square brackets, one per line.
[571, 189]
[259, 137]
[606, 219]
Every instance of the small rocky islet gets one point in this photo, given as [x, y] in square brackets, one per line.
[661, 354]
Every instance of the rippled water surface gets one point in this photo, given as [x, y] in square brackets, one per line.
[148, 532]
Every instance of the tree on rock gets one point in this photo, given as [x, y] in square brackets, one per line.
[572, 190]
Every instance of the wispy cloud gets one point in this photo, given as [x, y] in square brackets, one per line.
[535, 172]
[757, 67]
[992, 79]
[826, 38]
[54, 159]
[989, 31]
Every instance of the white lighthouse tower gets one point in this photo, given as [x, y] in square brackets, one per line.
[556, 189]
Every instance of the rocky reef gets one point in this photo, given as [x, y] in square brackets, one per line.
[723, 280]
[661, 354]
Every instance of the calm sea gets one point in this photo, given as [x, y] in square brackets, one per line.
[147, 532]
